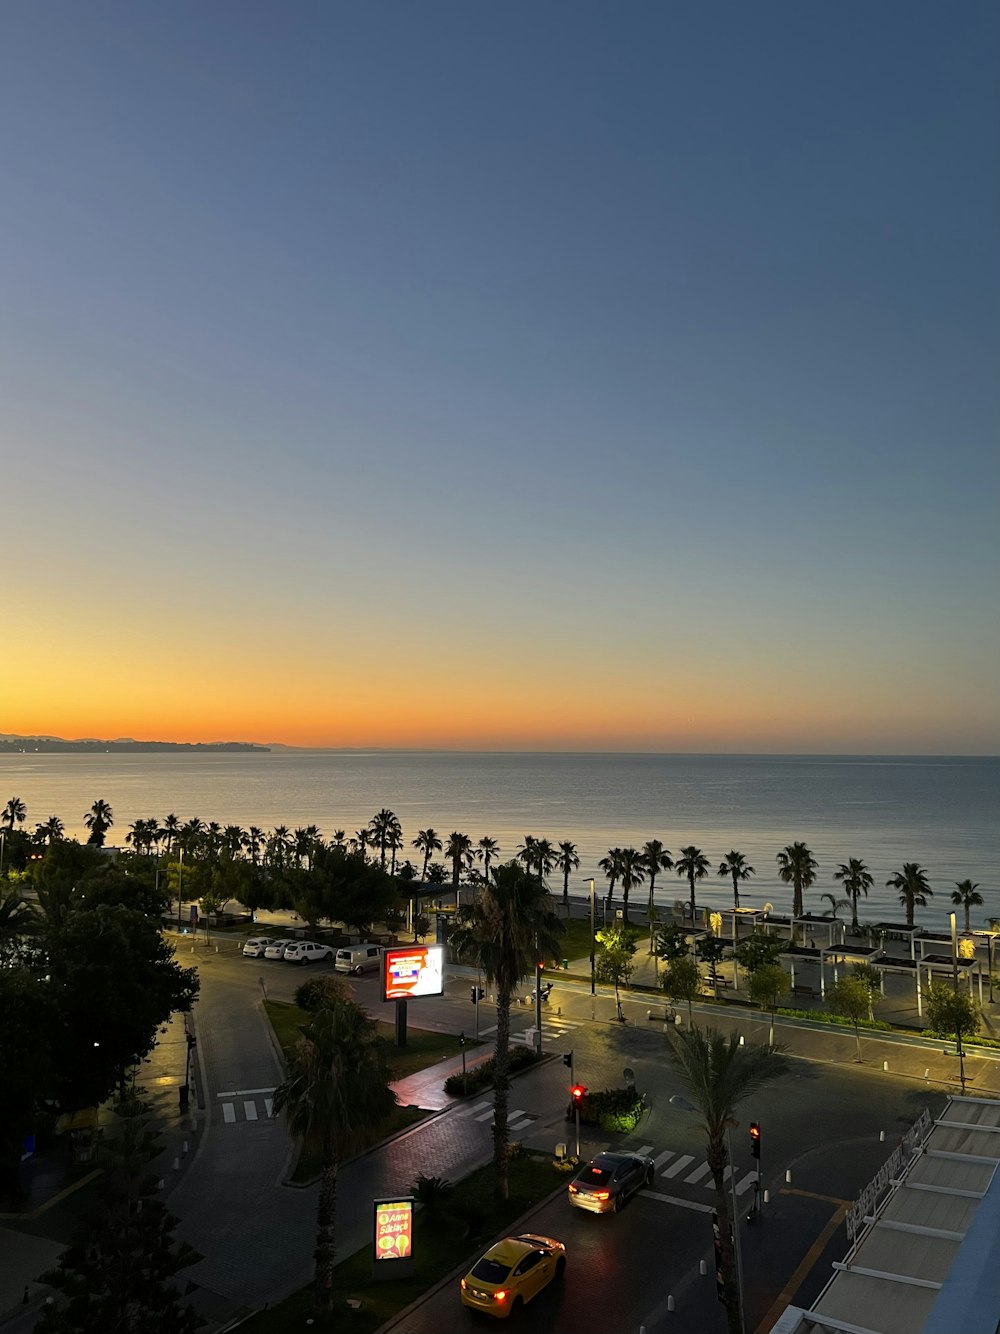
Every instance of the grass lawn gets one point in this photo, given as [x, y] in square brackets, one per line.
[458, 1232]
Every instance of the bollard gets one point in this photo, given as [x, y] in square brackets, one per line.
[159, 1184]
[885, 1065]
[670, 1302]
[185, 1149]
[216, 949]
[743, 1041]
[177, 1164]
[881, 1136]
[927, 1074]
[788, 1177]
[192, 949]
[702, 1268]
[767, 1197]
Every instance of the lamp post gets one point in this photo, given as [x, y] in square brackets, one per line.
[993, 930]
[3, 841]
[589, 880]
[954, 981]
[685, 1105]
[180, 885]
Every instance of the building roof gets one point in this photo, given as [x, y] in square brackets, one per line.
[928, 1258]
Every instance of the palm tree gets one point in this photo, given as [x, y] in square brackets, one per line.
[383, 825]
[15, 812]
[545, 858]
[336, 1091]
[171, 828]
[914, 890]
[17, 918]
[526, 852]
[568, 860]
[487, 850]
[99, 820]
[737, 868]
[719, 1075]
[256, 838]
[427, 842]
[856, 879]
[52, 830]
[234, 840]
[633, 873]
[360, 842]
[459, 853]
[695, 865]
[278, 846]
[611, 865]
[504, 932]
[339, 839]
[797, 867]
[835, 905]
[656, 858]
[966, 895]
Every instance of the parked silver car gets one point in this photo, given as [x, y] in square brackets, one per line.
[306, 951]
[609, 1179]
[276, 949]
[254, 949]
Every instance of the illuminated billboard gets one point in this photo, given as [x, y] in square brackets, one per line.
[393, 1229]
[413, 970]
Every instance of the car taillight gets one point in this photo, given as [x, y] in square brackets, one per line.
[574, 1190]
[500, 1295]
[602, 1195]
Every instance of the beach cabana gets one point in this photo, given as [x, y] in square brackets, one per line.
[836, 955]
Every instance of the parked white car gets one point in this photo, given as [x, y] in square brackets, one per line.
[276, 949]
[254, 949]
[306, 951]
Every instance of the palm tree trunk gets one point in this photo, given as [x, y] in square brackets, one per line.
[611, 891]
[625, 890]
[854, 914]
[693, 904]
[857, 1038]
[326, 1211]
[566, 890]
[717, 1163]
[736, 890]
[501, 1087]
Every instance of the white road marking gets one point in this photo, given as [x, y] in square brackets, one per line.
[697, 1174]
[228, 1113]
[243, 1093]
[679, 1166]
[268, 1106]
[728, 1172]
[250, 1111]
[519, 1125]
[484, 1116]
[661, 1158]
[672, 1199]
[641, 1153]
[746, 1183]
[485, 1032]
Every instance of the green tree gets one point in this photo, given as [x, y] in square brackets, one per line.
[116, 1274]
[30, 1018]
[851, 998]
[719, 1074]
[611, 865]
[15, 812]
[766, 986]
[872, 979]
[428, 842]
[19, 921]
[672, 942]
[695, 865]
[459, 853]
[736, 868]
[487, 851]
[567, 860]
[951, 1012]
[633, 874]
[681, 981]
[51, 830]
[856, 879]
[336, 1092]
[614, 963]
[384, 825]
[797, 867]
[914, 889]
[711, 950]
[504, 932]
[966, 895]
[656, 858]
[758, 950]
[836, 903]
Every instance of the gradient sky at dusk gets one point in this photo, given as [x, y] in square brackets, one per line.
[559, 376]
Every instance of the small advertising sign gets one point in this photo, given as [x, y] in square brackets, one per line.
[393, 1231]
[413, 970]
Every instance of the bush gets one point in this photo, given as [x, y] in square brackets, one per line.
[481, 1076]
[819, 1017]
[320, 992]
[431, 1192]
[619, 1109]
[950, 1037]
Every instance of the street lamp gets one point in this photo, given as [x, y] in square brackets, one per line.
[954, 981]
[589, 880]
[683, 1104]
[180, 885]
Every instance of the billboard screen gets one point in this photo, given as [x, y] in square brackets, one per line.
[412, 970]
[393, 1229]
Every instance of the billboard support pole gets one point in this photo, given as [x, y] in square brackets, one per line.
[401, 1023]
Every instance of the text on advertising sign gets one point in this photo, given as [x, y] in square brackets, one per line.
[413, 970]
[393, 1229]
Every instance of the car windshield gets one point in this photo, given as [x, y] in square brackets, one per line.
[490, 1271]
[594, 1176]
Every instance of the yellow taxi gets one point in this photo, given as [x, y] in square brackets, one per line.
[511, 1273]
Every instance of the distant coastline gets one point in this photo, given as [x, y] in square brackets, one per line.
[91, 746]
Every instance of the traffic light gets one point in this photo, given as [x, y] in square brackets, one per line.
[754, 1139]
[476, 994]
[568, 1060]
[578, 1092]
[461, 1039]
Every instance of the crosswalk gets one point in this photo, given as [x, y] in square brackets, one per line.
[673, 1166]
[553, 1029]
[242, 1105]
[483, 1111]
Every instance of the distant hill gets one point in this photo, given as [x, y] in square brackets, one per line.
[12, 743]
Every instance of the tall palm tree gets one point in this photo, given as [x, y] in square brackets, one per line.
[171, 828]
[914, 891]
[339, 839]
[15, 812]
[633, 874]
[336, 1090]
[99, 820]
[719, 1074]
[382, 825]
[835, 903]
[256, 838]
[966, 895]
[234, 840]
[797, 867]
[737, 868]
[526, 852]
[278, 846]
[611, 865]
[459, 853]
[545, 858]
[656, 858]
[17, 918]
[487, 850]
[856, 879]
[504, 932]
[428, 842]
[567, 860]
[361, 841]
[695, 865]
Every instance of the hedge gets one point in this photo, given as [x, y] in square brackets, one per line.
[481, 1076]
[619, 1109]
[821, 1017]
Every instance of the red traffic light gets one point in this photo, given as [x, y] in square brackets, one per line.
[754, 1139]
[578, 1092]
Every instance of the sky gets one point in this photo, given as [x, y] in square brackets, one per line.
[559, 376]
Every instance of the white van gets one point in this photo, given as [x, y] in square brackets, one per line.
[358, 958]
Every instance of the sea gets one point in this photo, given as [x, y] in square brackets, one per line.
[939, 811]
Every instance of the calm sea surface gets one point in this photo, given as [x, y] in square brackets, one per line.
[940, 812]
